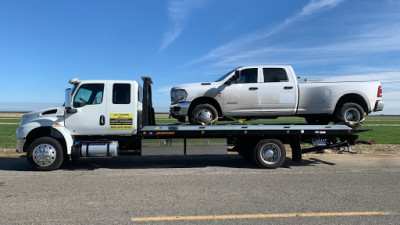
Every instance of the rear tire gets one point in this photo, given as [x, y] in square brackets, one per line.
[204, 114]
[351, 114]
[269, 154]
[45, 154]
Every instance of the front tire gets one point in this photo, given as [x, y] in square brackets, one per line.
[204, 114]
[45, 154]
[269, 154]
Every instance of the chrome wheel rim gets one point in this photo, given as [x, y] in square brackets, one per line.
[270, 153]
[352, 115]
[44, 155]
[205, 117]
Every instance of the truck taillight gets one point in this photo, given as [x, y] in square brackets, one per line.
[380, 91]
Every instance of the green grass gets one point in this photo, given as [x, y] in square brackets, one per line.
[7, 135]
[10, 120]
[166, 120]
[384, 134]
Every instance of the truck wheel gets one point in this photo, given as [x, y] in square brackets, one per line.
[350, 112]
[204, 114]
[45, 154]
[269, 154]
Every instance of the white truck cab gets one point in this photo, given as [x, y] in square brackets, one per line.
[103, 107]
[93, 109]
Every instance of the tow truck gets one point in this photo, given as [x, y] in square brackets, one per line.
[110, 118]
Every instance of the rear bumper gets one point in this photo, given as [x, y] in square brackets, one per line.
[379, 105]
[19, 145]
[179, 110]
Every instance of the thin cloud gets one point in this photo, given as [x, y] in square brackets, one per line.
[314, 6]
[386, 77]
[178, 11]
[385, 38]
[164, 90]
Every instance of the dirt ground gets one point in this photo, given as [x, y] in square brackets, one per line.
[11, 114]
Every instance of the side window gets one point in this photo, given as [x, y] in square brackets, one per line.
[248, 76]
[89, 94]
[275, 75]
[121, 94]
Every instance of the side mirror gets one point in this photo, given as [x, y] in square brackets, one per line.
[234, 78]
[68, 98]
[68, 101]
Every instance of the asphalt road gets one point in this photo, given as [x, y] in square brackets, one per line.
[328, 189]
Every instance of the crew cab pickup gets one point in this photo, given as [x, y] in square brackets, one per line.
[273, 91]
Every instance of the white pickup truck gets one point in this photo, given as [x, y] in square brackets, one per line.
[272, 91]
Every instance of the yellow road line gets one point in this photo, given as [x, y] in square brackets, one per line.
[252, 216]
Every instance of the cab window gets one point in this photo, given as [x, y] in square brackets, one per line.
[248, 76]
[121, 94]
[275, 75]
[89, 94]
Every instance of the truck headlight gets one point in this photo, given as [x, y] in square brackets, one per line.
[19, 130]
[178, 95]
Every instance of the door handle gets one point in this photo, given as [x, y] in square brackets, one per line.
[102, 120]
[288, 87]
[253, 88]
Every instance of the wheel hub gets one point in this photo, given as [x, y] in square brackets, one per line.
[270, 153]
[44, 155]
[205, 116]
[352, 115]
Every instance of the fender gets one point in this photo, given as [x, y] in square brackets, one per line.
[69, 142]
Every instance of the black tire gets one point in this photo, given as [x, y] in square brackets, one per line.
[351, 114]
[318, 120]
[269, 154]
[45, 154]
[204, 114]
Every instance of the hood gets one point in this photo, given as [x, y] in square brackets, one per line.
[50, 114]
[194, 90]
[203, 85]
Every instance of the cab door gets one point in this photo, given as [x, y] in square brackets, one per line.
[278, 92]
[242, 98]
[89, 115]
[121, 111]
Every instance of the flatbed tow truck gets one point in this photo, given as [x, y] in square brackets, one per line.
[115, 118]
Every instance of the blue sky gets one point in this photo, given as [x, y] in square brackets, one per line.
[43, 44]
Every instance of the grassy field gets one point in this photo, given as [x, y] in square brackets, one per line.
[385, 129]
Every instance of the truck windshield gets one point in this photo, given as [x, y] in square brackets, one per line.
[227, 74]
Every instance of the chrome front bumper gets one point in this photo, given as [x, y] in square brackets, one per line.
[19, 145]
[179, 110]
[379, 105]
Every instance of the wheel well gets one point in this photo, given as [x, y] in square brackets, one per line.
[205, 100]
[355, 98]
[44, 132]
